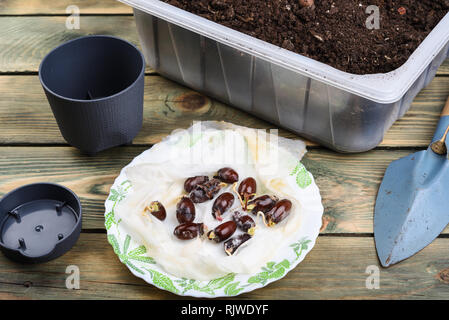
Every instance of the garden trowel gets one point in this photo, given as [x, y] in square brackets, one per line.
[412, 206]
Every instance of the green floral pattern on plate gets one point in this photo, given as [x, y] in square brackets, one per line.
[303, 177]
[129, 258]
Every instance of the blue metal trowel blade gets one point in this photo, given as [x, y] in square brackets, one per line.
[412, 206]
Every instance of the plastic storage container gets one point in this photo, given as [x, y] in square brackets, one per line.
[343, 111]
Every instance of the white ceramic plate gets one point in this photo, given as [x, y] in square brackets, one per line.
[139, 261]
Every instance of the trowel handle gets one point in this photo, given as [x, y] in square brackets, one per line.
[443, 124]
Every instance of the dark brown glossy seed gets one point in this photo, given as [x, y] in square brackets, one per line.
[204, 192]
[263, 203]
[223, 203]
[227, 175]
[188, 231]
[279, 212]
[157, 209]
[231, 245]
[192, 182]
[247, 190]
[244, 222]
[223, 232]
[185, 210]
[248, 187]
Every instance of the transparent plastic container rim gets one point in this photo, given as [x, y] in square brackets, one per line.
[383, 88]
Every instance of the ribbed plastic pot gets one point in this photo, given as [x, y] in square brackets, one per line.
[95, 87]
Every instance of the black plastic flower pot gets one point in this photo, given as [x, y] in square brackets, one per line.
[95, 85]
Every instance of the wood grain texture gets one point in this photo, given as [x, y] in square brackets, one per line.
[348, 183]
[89, 177]
[446, 109]
[28, 39]
[334, 269]
[25, 116]
[349, 186]
[24, 110]
[35, 7]
[444, 69]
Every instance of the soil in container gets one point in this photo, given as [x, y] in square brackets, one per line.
[333, 32]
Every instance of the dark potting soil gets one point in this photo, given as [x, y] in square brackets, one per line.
[333, 32]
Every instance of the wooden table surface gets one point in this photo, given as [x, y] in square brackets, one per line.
[32, 150]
